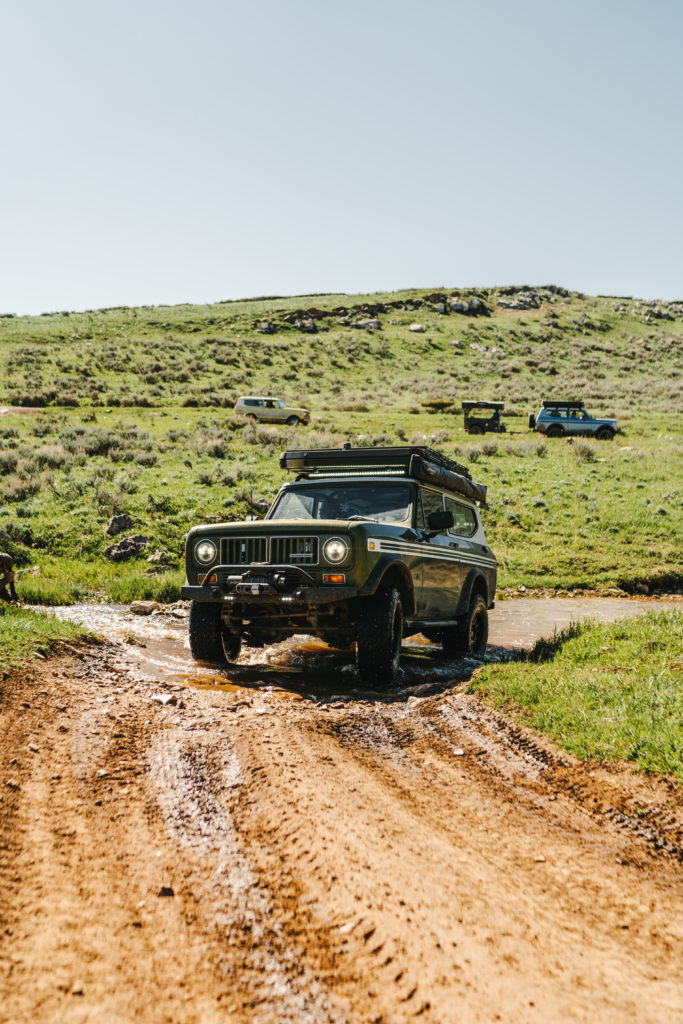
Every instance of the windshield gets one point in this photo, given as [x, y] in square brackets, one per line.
[384, 503]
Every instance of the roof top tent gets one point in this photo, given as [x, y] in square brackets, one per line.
[563, 405]
[419, 463]
[478, 421]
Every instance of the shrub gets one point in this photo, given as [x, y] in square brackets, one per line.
[146, 459]
[583, 452]
[53, 456]
[8, 462]
[18, 489]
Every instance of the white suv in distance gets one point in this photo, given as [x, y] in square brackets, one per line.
[270, 410]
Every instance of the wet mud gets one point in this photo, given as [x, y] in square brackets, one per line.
[272, 843]
[307, 665]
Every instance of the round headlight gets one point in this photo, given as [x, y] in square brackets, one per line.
[335, 550]
[205, 551]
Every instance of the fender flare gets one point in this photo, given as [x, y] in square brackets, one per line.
[475, 580]
[390, 564]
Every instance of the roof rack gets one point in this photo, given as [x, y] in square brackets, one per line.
[419, 463]
[483, 405]
[563, 405]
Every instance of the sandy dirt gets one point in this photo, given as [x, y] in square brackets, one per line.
[256, 853]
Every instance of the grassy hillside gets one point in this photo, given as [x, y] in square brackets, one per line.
[131, 412]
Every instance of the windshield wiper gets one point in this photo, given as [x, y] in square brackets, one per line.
[367, 519]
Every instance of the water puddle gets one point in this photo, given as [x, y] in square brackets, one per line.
[519, 622]
[305, 666]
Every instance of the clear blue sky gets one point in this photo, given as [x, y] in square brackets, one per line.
[162, 152]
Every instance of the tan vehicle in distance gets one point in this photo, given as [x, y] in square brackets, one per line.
[270, 410]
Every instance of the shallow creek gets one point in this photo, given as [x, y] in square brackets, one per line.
[160, 646]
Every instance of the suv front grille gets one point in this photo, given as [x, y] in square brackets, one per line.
[244, 550]
[269, 550]
[294, 550]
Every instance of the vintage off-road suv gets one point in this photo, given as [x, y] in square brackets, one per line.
[270, 410]
[366, 546]
[565, 419]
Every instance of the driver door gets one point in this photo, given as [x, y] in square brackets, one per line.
[440, 568]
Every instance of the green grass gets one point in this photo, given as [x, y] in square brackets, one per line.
[25, 633]
[609, 692]
[135, 415]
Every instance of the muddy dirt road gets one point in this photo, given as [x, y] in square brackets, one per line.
[175, 846]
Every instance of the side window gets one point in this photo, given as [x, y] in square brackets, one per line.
[432, 501]
[464, 518]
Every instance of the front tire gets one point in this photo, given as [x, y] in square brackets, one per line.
[469, 638]
[555, 432]
[604, 434]
[206, 642]
[378, 644]
[292, 421]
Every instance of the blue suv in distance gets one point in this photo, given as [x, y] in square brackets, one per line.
[570, 419]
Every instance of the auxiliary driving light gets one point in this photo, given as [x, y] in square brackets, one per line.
[205, 552]
[335, 549]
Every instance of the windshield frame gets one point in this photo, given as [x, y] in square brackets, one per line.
[339, 486]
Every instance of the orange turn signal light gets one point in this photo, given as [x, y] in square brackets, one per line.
[334, 577]
[212, 577]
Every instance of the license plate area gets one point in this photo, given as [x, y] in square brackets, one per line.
[255, 588]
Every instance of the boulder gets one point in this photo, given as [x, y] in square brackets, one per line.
[368, 325]
[416, 328]
[144, 607]
[469, 307]
[159, 557]
[266, 327]
[307, 325]
[117, 524]
[128, 547]
[525, 300]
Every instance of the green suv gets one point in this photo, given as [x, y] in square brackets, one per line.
[364, 547]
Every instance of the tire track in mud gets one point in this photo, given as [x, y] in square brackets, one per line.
[363, 858]
[193, 780]
[509, 752]
[431, 854]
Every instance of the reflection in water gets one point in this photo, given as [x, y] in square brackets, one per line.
[305, 665]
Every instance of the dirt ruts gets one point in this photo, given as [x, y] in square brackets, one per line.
[170, 853]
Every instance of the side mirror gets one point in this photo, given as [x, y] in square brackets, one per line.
[440, 521]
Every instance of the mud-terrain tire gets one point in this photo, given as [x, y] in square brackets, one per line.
[470, 637]
[604, 434]
[531, 421]
[206, 642]
[292, 421]
[555, 431]
[378, 644]
[232, 645]
[476, 429]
